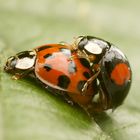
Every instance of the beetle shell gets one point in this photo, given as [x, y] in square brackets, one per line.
[54, 68]
[115, 76]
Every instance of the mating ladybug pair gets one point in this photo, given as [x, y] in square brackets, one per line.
[90, 72]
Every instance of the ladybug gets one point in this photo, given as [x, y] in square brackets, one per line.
[50, 64]
[112, 67]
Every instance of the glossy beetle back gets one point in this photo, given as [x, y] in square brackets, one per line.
[115, 76]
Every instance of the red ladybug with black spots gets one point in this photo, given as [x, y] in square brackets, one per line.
[111, 66]
[52, 66]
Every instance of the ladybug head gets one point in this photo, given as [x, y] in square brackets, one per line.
[20, 62]
[92, 46]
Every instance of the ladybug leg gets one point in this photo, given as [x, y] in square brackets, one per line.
[99, 103]
[23, 74]
[103, 102]
[89, 81]
[68, 99]
[63, 94]
[69, 46]
[79, 55]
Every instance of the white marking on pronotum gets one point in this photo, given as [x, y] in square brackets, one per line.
[25, 63]
[93, 48]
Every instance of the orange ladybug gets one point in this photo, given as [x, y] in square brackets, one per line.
[52, 66]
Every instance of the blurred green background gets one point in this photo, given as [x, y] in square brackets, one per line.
[27, 112]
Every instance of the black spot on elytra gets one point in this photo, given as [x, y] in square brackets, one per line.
[72, 67]
[48, 56]
[84, 62]
[48, 67]
[86, 74]
[63, 81]
[80, 85]
[65, 51]
[43, 48]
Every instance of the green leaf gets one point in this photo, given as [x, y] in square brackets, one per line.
[29, 112]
